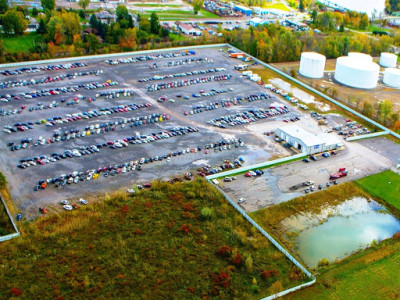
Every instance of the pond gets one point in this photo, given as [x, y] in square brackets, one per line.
[339, 231]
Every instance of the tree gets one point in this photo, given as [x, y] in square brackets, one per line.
[14, 22]
[367, 109]
[364, 22]
[35, 12]
[71, 25]
[154, 23]
[122, 12]
[144, 25]
[301, 5]
[197, 5]
[3, 6]
[92, 43]
[42, 29]
[2, 54]
[128, 41]
[84, 3]
[314, 15]
[48, 4]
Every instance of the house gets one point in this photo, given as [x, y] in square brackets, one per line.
[33, 25]
[244, 10]
[106, 17]
[257, 21]
[187, 29]
[307, 142]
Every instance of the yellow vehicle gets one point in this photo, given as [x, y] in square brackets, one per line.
[95, 176]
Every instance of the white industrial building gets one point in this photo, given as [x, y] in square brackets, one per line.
[257, 21]
[187, 29]
[312, 64]
[388, 60]
[391, 77]
[307, 142]
[357, 70]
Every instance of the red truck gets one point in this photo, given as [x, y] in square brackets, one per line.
[342, 173]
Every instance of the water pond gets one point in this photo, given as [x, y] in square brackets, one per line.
[341, 230]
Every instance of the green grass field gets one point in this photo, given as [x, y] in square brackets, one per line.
[5, 223]
[19, 43]
[279, 5]
[160, 243]
[385, 185]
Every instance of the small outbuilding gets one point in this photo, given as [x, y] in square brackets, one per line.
[307, 142]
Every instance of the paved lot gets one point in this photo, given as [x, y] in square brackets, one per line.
[22, 181]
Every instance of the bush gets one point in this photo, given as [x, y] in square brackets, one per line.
[225, 251]
[3, 181]
[206, 213]
[237, 260]
[249, 263]
[255, 288]
[323, 262]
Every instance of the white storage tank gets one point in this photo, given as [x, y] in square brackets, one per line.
[391, 77]
[357, 73]
[312, 64]
[388, 60]
[360, 56]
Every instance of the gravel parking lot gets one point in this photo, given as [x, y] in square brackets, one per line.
[125, 77]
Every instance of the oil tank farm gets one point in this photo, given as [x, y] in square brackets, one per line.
[312, 64]
[357, 70]
[391, 77]
[388, 60]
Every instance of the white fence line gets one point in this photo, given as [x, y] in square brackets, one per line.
[367, 136]
[275, 243]
[256, 166]
[11, 235]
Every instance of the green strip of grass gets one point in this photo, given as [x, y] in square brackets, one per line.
[19, 43]
[385, 185]
[159, 243]
[156, 5]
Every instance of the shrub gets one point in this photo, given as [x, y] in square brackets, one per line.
[323, 262]
[3, 181]
[268, 273]
[249, 263]
[188, 207]
[396, 235]
[185, 228]
[15, 292]
[237, 260]
[255, 288]
[222, 279]
[225, 251]
[206, 213]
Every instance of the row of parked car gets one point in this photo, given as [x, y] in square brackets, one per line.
[115, 93]
[116, 144]
[212, 92]
[47, 79]
[183, 74]
[227, 103]
[208, 170]
[187, 82]
[76, 117]
[247, 117]
[43, 68]
[286, 96]
[99, 128]
[111, 170]
[188, 61]
[131, 60]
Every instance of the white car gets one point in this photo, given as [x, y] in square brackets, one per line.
[131, 191]
[65, 202]
[67, 207]
[83, 201]
[241, 200]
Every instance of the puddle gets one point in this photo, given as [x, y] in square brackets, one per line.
[339, 231]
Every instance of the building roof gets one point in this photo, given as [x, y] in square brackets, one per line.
[310, 139]
[242, 8]
[105, 15]
[256, 20]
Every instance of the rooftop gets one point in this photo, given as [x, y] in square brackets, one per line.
[310, 139]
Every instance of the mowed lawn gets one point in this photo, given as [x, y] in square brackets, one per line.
[385, 185]
[180, 241]
[19, 43]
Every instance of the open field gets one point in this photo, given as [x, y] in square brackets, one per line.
[385, 185]
[276, 5]
[172, 14]
[156, 5]
[18, 43]
[123, 247]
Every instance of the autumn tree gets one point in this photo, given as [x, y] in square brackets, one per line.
[14, 22]
[48, 4]
[197, 5]
[364, 22]
[84, 3]
[92, 43]
[71, 25]
[2, 51]
[128, 41]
